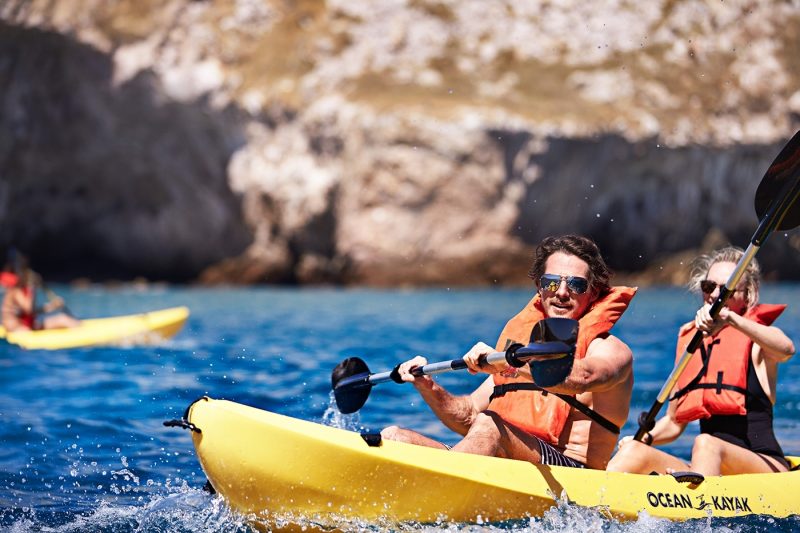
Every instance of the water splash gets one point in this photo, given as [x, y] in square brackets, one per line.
[184, 509]
[334, 418]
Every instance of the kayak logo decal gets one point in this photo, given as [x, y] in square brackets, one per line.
[718, 503]
[701, 502]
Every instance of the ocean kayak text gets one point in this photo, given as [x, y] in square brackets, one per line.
[720, 503]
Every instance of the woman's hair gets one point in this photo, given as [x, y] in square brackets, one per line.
[579, 246]
[730, 254]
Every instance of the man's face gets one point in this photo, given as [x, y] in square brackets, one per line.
[564, 302]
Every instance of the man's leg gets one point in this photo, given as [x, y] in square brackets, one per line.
[411, 437]
[490, 435]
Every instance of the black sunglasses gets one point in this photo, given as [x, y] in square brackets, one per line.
[708, 286]
[551, 283]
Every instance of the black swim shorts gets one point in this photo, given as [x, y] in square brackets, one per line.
[551, 456]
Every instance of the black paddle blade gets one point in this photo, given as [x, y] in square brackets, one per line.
[350, 383]
[554, 370]
[781, 176]
[555, 329]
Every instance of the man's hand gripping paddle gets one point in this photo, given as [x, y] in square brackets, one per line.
[550, 352]
[777, 208]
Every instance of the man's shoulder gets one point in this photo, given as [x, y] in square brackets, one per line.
[608, 344]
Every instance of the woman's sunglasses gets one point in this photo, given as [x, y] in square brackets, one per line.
[708, 286]
[551, 283]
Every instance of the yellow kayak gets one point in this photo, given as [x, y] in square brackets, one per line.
[143, 328]
[271, 466]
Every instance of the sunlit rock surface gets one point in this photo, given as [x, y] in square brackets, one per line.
[390, 143]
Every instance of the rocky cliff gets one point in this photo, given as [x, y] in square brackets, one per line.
[393, 142]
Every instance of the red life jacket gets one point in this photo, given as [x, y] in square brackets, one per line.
[27, 319]
[718, 385]
[8, 279]
[535, 412]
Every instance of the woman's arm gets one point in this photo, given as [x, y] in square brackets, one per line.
[773, 341]
[666, 429]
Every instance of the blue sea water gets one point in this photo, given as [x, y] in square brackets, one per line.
[83, 447]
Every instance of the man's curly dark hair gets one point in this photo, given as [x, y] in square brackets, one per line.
[579, 246]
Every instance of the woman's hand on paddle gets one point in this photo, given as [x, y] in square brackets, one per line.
[476, 360]
[404, 370]
[709, 325]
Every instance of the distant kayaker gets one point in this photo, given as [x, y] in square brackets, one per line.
[729, 385]
[575, 423]
[19, 312]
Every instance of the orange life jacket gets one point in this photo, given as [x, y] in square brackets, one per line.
[537, 412]
[718, 385]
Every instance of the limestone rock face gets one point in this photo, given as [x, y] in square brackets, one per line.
[108, 178]
[398, 143]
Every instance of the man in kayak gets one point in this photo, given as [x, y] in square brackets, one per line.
[729, 385]
[19, 312]
[575, 423]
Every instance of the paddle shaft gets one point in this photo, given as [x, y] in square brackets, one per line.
[361, 380]
[772, 219]
[510, 356]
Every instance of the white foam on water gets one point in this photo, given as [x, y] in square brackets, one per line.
[183, 509]
[179, 508]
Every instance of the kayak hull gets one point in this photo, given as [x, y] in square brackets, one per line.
[143, 328]
[270, 465]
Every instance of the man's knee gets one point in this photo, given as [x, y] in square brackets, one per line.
[392, 433]
[487, 420]
[486, 427]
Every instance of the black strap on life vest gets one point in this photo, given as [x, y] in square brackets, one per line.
[500, 390]
[718, 386]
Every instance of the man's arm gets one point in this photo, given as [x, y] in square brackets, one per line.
[608, 363]
[455, 412]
